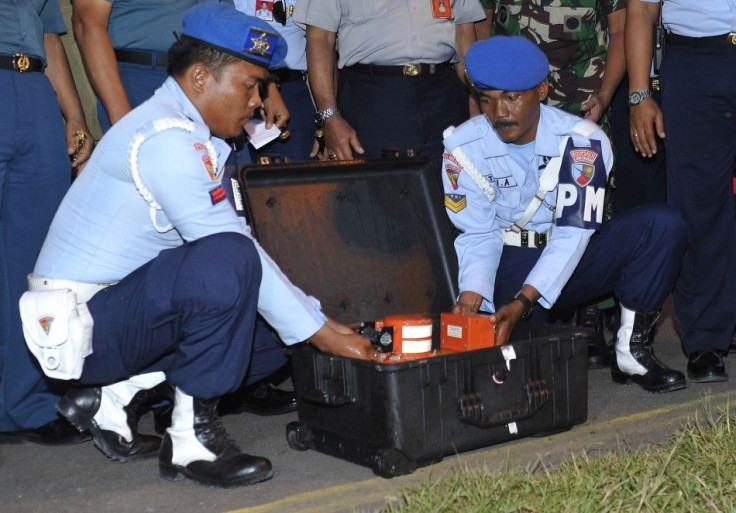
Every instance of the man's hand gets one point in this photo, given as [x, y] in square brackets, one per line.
[275, 111]
[594, 108]
[644, 120]
[338, 339]
[71, 129]
[468, 303]
[340, 140]
[505, 320]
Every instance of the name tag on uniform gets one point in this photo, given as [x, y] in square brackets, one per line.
[264, 10]
[442, 9]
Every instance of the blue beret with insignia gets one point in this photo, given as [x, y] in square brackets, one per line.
[225, 28]
[508, 63]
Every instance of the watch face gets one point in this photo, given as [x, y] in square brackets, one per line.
[318, 120]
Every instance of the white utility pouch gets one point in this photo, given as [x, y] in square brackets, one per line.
[58, 331]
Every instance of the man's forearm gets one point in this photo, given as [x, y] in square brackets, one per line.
[640, 20]
[322, 66]
[60, 76]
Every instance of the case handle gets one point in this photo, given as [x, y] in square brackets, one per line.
[334, 382]
[472, 409]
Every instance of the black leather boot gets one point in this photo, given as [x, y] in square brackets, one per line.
[599, 352]
[81, 407]
[634, 357]
[196, 446]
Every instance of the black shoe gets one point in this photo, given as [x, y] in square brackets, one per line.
[658, 379]
[706, 367]
[231, 468]
[80, 405]
[262, 399]
[599, 352]
[56, 432]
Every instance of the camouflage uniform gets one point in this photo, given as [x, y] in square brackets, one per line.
[572, 33]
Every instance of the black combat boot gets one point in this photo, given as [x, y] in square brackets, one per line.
[197, 446]
[634, 357]
[111, 415]
[599, 352]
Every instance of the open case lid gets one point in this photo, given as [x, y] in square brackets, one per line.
[368, 238]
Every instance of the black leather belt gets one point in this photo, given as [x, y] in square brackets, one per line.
[290, 75]
[722, 40]
[21, 63]
[153, 59]
[414, 69]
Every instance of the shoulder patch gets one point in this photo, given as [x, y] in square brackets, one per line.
[218, 194]
[455, 202]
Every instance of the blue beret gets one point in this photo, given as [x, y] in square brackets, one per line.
[223, 27]
[508, 63]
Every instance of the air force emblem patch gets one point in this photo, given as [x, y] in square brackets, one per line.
[46, 323]
[582, 187]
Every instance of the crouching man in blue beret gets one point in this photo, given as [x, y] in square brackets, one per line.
[525, 185]
[148, 275]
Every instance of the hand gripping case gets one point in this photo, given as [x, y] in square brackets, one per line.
[371, 239]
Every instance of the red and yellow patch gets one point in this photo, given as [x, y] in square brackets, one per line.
[218, 194]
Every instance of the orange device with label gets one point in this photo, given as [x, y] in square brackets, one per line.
[466, 332]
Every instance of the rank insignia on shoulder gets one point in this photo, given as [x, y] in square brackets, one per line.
[218, 194]
[455, 202]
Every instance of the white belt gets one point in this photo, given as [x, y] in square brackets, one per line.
[84, 291]
[525, 239]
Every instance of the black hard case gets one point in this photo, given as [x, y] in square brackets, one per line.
[370, 238]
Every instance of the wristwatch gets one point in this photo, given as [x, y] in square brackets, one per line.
[528, 305]
[322, 116]
[636, 97]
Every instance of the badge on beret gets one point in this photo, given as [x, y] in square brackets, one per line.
[455, 202]
[260, 44]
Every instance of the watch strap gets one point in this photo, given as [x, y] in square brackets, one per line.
[528, 305]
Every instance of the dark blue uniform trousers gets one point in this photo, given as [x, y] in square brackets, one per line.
[699, 109]
[191, 313]
[35, 173]
[139, 82]
[636, 256]
[402, 112]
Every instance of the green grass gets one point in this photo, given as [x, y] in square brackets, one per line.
[694, 470]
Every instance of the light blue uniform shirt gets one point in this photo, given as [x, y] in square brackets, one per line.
[23, 24]
[482, 222]
[389, 32]
[102, 230]
[295, 36]
[698, 18]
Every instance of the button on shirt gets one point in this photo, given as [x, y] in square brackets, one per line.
[389, 32]
[482, 222]
[698, 18]
[23, 24]
[102, 230]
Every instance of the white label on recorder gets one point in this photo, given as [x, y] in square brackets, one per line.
[454, 331]
[513, 429]
[508, 354]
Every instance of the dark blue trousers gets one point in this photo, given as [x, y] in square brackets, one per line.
[699, 109]
[400, 112]
[139, 82]
[35, 173]
[191, 313]
[636, 256]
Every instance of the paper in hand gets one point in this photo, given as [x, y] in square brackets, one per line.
[258, 136]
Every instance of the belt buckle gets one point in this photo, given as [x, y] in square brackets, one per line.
[655, 84]
[540, 239]
[21, 62]
[524, 239]
[731, 37]
[412, 69]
